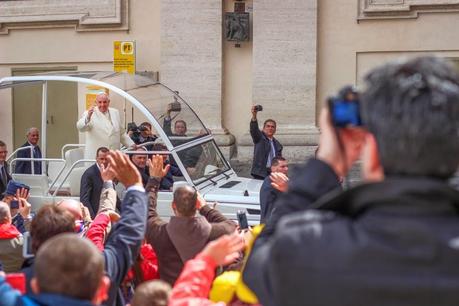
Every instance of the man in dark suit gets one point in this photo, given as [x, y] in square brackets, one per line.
[4, 175]
[266, 146]
[273, 186]
[22, 166]
[92, 183]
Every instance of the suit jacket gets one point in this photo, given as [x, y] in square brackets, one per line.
[101, 132]
[261, 150]
[26, 166]
[8, 178]
[90, 189]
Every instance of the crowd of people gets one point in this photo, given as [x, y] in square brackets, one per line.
[391, 240]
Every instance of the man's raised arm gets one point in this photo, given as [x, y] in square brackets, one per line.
[123, 244]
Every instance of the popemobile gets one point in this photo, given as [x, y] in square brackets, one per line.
[140, 99]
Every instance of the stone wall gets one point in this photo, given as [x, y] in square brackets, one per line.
[284, 74]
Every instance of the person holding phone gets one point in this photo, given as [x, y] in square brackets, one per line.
[16, 196]
[266, 146]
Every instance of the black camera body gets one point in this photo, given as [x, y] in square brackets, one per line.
[242, 219]
[175, 107]
[258, 108]
[132, 127]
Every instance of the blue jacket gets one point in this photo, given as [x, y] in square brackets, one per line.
[26, 166]
[12, 297]
[123, 243]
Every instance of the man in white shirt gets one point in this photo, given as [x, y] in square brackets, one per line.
[102, 125]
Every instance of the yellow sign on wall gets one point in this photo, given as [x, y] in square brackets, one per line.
[124, 56]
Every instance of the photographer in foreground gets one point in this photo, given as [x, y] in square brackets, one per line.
[391, 241]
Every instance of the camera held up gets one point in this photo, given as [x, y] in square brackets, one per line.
[345, 108]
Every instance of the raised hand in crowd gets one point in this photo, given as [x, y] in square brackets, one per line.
[225, 249]
[156, 166]
[201, 202]
[106, 173]
[279, 181]
[124, 170]
[22, 195]
[254, 112]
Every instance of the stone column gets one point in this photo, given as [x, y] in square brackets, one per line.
[284, 74]
[191, 59]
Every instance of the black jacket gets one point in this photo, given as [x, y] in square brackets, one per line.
[26, 166]
[90, 189]
[261, 150]
[268, 195]
[389, 243]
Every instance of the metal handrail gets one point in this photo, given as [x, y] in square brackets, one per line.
[31, 154]
[36, 159]
[68, 173]
[147, 143]
[147, 152]
[17, 150]
[71, 145]
[57, 176]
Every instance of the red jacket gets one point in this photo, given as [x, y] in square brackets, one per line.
[96, 232]
[148, 261]
[193, 285]
[148, 264]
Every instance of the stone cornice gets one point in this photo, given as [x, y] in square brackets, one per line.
[83, 15]
[395, 9]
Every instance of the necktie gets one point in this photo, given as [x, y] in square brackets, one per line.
[272, 154]
[3, 172]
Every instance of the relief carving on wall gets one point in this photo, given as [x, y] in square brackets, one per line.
[83, 15]
[390, 9]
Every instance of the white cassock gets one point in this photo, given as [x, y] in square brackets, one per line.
[103, 130]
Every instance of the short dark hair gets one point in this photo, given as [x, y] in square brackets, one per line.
[269, 120]
[2, 144]
[182, 121]
[412, 109]
[152, 293]
[146, 123]
[276, 160]
[102, 149]
[185, 200]
[50, 221]
[69, 265]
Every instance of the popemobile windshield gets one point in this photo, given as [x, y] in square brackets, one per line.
[138, 99]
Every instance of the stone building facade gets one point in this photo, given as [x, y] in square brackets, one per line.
[299, 52]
